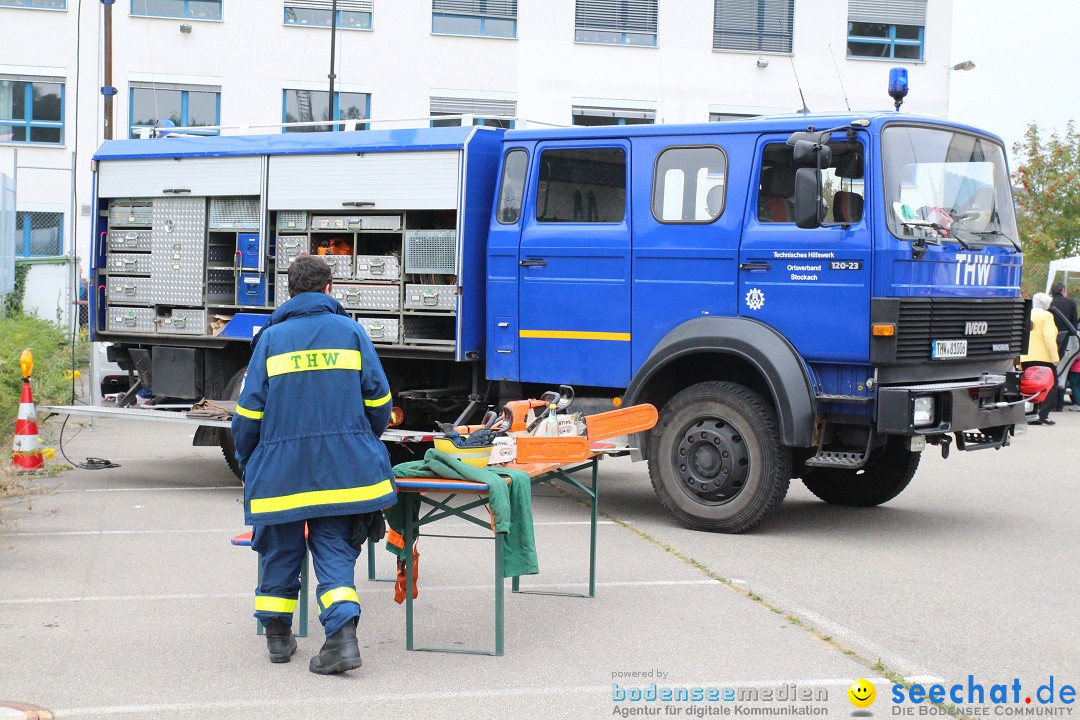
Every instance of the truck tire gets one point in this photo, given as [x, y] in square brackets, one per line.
[716, 460]
[228, 447]
[879, 481]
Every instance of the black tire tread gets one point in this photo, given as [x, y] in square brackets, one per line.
[884, 478]
[228, 447]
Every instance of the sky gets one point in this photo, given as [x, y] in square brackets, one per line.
[1027, 61]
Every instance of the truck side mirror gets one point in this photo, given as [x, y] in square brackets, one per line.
[809, 154]
[808, 205]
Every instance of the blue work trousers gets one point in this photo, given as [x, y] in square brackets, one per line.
[334, 544]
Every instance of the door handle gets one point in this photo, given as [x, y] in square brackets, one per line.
[533, 262]
[755, 266]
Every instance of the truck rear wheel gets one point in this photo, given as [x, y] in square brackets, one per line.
[716, 460]
[884, 477]
[228, 447]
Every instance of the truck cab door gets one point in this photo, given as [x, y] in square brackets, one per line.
[574, 266]
[812, 285]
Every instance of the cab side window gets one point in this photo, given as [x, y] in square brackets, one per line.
[582, 185]
[842, 183]
[689, 184]
[512, 188]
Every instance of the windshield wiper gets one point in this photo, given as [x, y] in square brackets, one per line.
[941, 231]
[998, 233]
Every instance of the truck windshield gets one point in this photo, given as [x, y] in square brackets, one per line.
[941, 184]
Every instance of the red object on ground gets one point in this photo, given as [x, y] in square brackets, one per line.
[1036, 381]
[26, 447]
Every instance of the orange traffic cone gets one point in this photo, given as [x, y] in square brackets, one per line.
[25, 450]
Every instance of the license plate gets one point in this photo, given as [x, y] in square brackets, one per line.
[942, 349]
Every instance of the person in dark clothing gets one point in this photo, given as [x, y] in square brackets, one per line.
[314, 402]
[1067, 307]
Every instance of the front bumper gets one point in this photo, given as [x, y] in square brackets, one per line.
[980, 412]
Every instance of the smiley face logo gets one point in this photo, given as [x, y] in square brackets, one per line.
[862, 693]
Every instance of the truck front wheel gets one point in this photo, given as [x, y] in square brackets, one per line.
[716, 460]
[228, 447]
[884, 477]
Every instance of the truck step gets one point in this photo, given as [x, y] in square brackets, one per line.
[837, 459]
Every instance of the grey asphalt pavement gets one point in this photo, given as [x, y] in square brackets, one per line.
[120, 595]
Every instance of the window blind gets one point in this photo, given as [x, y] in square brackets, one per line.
[614, 112]
[753, 25]
[473, 106]
[344, 5]
[477, 8]
[637, 16]
[890, 12]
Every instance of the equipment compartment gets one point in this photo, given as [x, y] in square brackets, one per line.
[129, 240]
[367, 297]
[290, 247]
[381, 330]
[292, 220]
[181, 321]
[129, 319]
[431, 251]
[234, 213]
[377, 267]
[130, 215]
[129, 263]
[430, 297]
[428, 331]
[131, 290]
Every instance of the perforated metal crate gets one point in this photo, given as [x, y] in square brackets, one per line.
[181, 321]
[128, 240]
[335, 222]
[126, 214]
[234, 213]
[431, 251]
[281, 289]
[129, 319]
[428, 331]
[367, 297]
[431, 297]
[290, 247]
[381, 330]
[128, 263]
[221, 286]
[378, 267]
[221, 255]
[342, 265]
[133, 290]
[380, 222]
[291, 220]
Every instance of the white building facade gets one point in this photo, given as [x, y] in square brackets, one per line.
[245, 63]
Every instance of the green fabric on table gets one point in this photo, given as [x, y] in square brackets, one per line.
[511, 506]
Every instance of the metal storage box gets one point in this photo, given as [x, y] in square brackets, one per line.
[290, 247]
[380, 222]
[377, 267]
[341, 265]
[132, 290]
[281, 289]
[431, 297]
[129, 240]
[431, 251]
[335, 222]
[292, 220]
[126, 214]
[250, 249]
[367, 297]
[428, 331]
[129, 319]
[251, 289]
[234, 213]
[182, 321]
[131, 263]
[381, 330]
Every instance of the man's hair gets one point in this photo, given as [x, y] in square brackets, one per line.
[1041, 301]
[1057, 288]
[309, 273]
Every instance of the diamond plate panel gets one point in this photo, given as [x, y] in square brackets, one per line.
[178, 249]
[290, 247]
[431, 297]
[378, 267]
[342, 265]
[381, 330]
[129, 263]
[335, 222]
[182, 321]
[281, 289]
[133, 290]
[129, 319]
[120, 240]
[380, 222]
[367, 297]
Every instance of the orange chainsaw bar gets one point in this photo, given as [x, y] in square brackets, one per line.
[551, 449]
[623, 421]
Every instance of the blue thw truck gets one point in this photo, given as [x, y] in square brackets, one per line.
[803, 296]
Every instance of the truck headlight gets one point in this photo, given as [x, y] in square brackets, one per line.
[923, 413]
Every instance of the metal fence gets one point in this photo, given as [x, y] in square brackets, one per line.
[43, 225]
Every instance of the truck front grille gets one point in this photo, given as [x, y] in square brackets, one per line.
[924, 320]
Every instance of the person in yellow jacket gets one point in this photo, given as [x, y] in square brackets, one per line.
[1042, 350]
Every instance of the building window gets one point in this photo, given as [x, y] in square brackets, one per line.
[314, 106]
[39, 4]
[892, 31]
[192, 9]
[492, 113]
[612, 116]
[182, 105]
[688, 186]
[31, 110]
[728, 117]
[352, 14]
[39, 234]
[493, 18]
[616, 22]
[753, 25]
[586, 185]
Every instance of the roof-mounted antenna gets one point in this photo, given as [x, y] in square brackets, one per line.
[838, 78]
[805, 110]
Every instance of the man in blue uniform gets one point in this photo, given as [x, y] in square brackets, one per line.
[307, 427]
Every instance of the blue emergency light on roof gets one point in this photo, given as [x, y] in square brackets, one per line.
[898, 86]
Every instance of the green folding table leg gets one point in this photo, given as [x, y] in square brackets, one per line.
[410, 539]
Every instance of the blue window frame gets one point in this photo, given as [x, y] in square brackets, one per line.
[31, 111]
[183, 107]
[187, 9]
[320, 13]
[36, 4]
[489, 18]
[39, 234]
[313, 106]
[884, 40]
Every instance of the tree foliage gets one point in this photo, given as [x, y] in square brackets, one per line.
[1047, 184]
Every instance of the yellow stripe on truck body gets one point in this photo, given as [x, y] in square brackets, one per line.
[574, 335]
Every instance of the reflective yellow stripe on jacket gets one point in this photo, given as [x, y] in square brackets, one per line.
[304, 360]
[381, 401]
[252, 414]
[321, 497]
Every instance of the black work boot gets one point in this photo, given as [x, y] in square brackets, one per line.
[339, 653]
[279, 640]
